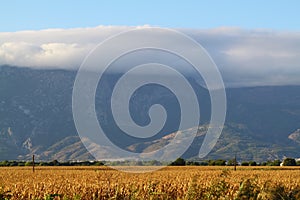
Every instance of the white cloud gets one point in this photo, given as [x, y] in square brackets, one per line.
[244, 57]
[60, 55]
[253, 57]
[58, 48]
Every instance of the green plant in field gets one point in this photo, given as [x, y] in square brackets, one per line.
[5, 195]
[220, 187]
[295, 193]
[153, 192]
[248, 190]
[52, 196]
[76, 197]
[194, 190]
[133, 195]
[276, 191]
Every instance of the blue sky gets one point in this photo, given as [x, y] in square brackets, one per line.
[35, 15]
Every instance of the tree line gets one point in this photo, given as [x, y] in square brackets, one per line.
[177, 162]
[232, 162]
[7, 163]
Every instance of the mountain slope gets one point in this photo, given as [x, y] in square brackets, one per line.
[36, 117]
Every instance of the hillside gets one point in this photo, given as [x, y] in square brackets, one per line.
[36, 117]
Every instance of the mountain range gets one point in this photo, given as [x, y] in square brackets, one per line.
[262, 123]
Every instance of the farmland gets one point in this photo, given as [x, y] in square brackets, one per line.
[167, 183]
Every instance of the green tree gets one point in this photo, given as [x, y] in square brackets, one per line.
[154, 163]
[263, 164]
[289, 162]
[13, 163]
[4, 163]
[231, 162]
[276, 163]
[54, 163]
[220, 162]
[211, 163]
[252, 163]
[28, 163]
[178, 162]
[192, 163]
[273, 163]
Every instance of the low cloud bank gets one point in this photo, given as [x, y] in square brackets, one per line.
[244, 57]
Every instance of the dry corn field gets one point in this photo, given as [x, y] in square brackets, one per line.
[168, 183]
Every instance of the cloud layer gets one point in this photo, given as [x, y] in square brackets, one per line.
[244, 57]
[54, 48]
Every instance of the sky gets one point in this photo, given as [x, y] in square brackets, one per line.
[252, 42]
[18, 15]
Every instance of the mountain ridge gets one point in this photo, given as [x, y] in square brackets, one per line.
[36, 117]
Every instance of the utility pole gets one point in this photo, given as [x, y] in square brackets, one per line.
[235, 162]
[33, 163]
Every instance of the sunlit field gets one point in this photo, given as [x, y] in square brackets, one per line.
[168, 183]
